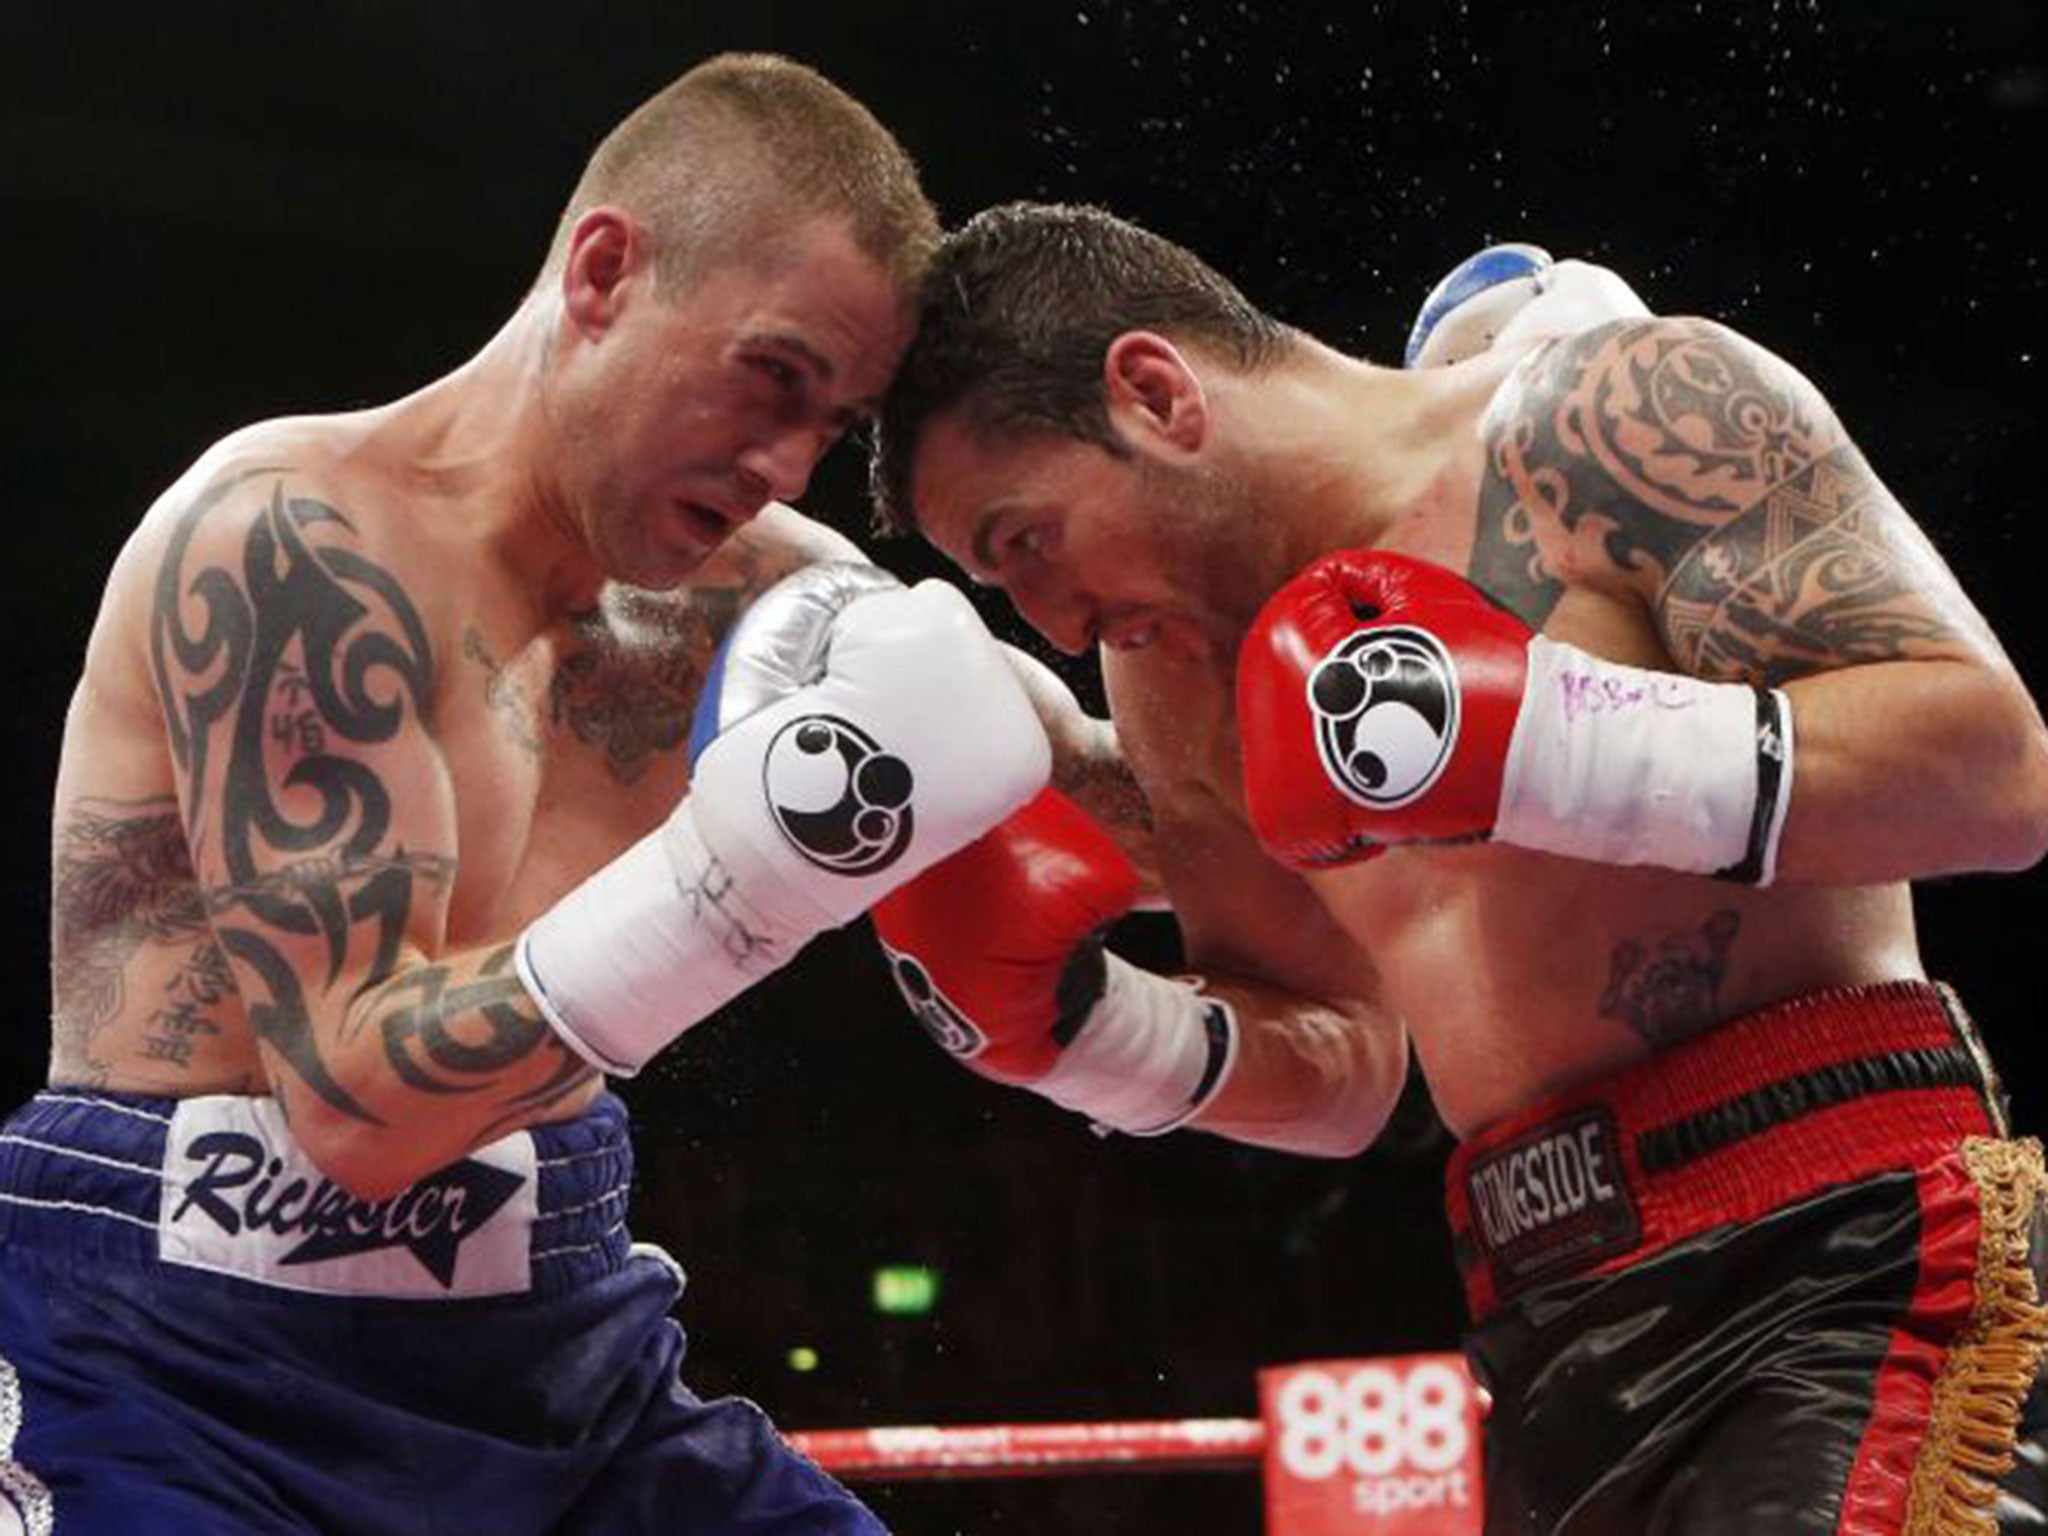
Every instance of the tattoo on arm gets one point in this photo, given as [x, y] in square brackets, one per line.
[1811, 577]
[306, 643]
[1692, 463]
[1102, 784]
[1667, 992]
[123, 880]
[444, 1034]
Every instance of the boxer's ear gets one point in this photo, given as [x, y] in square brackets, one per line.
[1153, 395]
[606, 248]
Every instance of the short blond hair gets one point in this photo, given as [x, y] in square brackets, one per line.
[743, 150]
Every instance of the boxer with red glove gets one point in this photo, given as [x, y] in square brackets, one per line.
[999, 952]
[1382, 700]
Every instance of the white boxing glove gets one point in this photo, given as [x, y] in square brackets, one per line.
[852, 733]
[1510, 293]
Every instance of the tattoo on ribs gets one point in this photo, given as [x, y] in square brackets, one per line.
[1677, 451]
[1671, 991]
[311, 647]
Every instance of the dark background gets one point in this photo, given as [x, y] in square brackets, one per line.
[212, 213]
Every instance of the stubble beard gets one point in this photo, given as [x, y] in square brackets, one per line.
[1217, 546]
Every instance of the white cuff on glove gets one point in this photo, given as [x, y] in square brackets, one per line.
[1152, 1052]
[1626, 766]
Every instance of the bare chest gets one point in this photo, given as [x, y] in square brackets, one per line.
[560, 753]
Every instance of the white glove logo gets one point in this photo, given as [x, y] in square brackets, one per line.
[1385, 703]
[840, 800]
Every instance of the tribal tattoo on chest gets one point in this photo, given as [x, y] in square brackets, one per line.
[283, 669]
[1673, 456]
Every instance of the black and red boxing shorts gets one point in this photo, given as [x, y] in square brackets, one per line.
[1782, 1278]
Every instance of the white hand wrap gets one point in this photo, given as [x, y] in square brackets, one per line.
[1626, 766]
[1150, 1054]
[896, 734]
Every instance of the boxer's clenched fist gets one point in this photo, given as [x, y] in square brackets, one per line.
[853, 732]
[1509, 293]
[1385, 700]
[999, 953]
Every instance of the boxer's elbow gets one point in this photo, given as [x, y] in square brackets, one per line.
[2009, 791]
[367, 1159]
[2023, 832]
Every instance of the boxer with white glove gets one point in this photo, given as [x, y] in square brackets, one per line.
[999, 953]
[1382, 699]
[852, 733]
[1511, 293]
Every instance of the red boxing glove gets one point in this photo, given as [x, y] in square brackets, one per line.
[1376, 697]
[998, 951]
[995, 945]
[1382, 699]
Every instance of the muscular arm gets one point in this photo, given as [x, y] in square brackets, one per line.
[296, 676]
[1320, 1062]
[1676, 463]
[1088, 766]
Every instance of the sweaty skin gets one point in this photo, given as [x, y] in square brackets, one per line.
[296, 623]
[298, 626]
[1659, 493]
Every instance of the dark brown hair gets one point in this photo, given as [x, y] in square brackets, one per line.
[1019, 307]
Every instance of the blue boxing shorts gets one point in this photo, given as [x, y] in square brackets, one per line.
[200, 1334]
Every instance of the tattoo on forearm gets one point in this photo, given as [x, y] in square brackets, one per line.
[1102, 784]
[122, 880]
[1674, 452]
[444, 1035]
[1671, 990]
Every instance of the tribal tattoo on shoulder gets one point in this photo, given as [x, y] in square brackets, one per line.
[1688, 459]
[302, 650]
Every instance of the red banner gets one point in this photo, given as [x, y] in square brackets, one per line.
[1372, 1448]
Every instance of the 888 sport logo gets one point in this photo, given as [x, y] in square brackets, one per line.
[1383, 1439]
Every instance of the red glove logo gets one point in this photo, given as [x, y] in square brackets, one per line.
[1385, 703]
[941, 1017]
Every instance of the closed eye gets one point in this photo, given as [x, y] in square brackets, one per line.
[786, 376]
